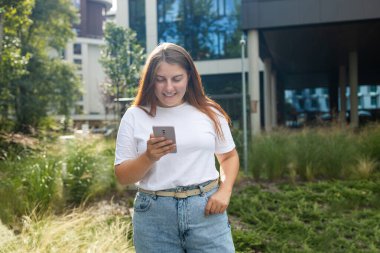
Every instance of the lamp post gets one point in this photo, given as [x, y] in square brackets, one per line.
[244, 101]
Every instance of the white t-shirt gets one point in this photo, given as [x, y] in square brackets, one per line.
[196, 141]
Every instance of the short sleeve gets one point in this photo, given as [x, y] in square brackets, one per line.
[226, 144]
[126, 147]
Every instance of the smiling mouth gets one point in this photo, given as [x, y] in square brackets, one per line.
[169, 94]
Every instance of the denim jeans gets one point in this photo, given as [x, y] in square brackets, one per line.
[171, 225]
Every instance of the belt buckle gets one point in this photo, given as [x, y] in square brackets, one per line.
[180, 194]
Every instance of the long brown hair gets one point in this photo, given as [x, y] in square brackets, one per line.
[195, 95]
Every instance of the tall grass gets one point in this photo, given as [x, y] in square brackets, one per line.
[269, 156]
[79, 231]
[309, 154]
[28, 183]
[55, 176]
[369, 145]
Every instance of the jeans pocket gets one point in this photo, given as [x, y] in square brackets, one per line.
[142, 203]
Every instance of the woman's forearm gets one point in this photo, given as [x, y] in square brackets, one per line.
[132, 171]
[229, 168]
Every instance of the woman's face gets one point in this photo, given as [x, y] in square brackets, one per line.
[170, 84]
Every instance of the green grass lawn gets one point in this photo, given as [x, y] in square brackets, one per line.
[336, 216]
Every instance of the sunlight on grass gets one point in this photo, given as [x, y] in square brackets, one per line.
[365, 167]
[79, 231]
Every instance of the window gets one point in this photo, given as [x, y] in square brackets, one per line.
[137, 20]
[77, 48]
[361, 102]
[226, 90]
[207, 29]
[314, 104]
[372, 88]
[374, 101]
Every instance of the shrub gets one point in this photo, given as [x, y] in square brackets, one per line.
[28, 183]
[54, 175]
[89, 170]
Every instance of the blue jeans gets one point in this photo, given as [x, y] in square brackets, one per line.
[171, 225]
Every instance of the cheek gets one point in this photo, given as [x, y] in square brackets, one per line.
[157, 89]
[183, 87]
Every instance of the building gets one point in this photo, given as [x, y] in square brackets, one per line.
[84, 52]
[309, 53]
[209, 30]
[313, 44]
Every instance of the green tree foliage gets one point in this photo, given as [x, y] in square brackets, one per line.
[122, 58]
[39, 31]
[14, 19]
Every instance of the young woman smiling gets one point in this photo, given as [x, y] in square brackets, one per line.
[182, 199]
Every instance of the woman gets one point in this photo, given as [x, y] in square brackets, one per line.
[181, 201]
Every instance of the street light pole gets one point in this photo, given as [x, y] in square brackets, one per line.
[244, 101]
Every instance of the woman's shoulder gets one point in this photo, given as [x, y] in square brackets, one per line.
[215, 109]
[134, 112]
[134, 109]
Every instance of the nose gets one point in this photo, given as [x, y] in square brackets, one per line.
[169, 86]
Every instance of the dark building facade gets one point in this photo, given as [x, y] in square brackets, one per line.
[331, 44]
[92, 17]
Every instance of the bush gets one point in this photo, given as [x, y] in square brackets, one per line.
[53, 176]
[28, 183]
[89, 171]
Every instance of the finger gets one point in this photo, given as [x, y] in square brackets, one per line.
[153, 141]
[162, 144]
[221, 209]
[161, 149]
[208, 208]
[166, 149]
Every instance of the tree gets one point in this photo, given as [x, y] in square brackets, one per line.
[14, 19]
[122, 58]
[47, 83]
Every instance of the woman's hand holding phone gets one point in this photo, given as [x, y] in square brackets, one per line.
[157, 147]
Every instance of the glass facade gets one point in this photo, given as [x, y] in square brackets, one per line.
[137, 20]
[208, 29]
[226, 90]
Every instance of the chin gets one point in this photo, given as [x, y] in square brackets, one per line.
[170, 104]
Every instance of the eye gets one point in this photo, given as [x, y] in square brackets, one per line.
[160, 79]
[177, 78]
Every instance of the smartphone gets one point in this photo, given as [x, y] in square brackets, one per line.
[165, 131]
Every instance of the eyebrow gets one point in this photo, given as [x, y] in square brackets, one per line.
[180, 75]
